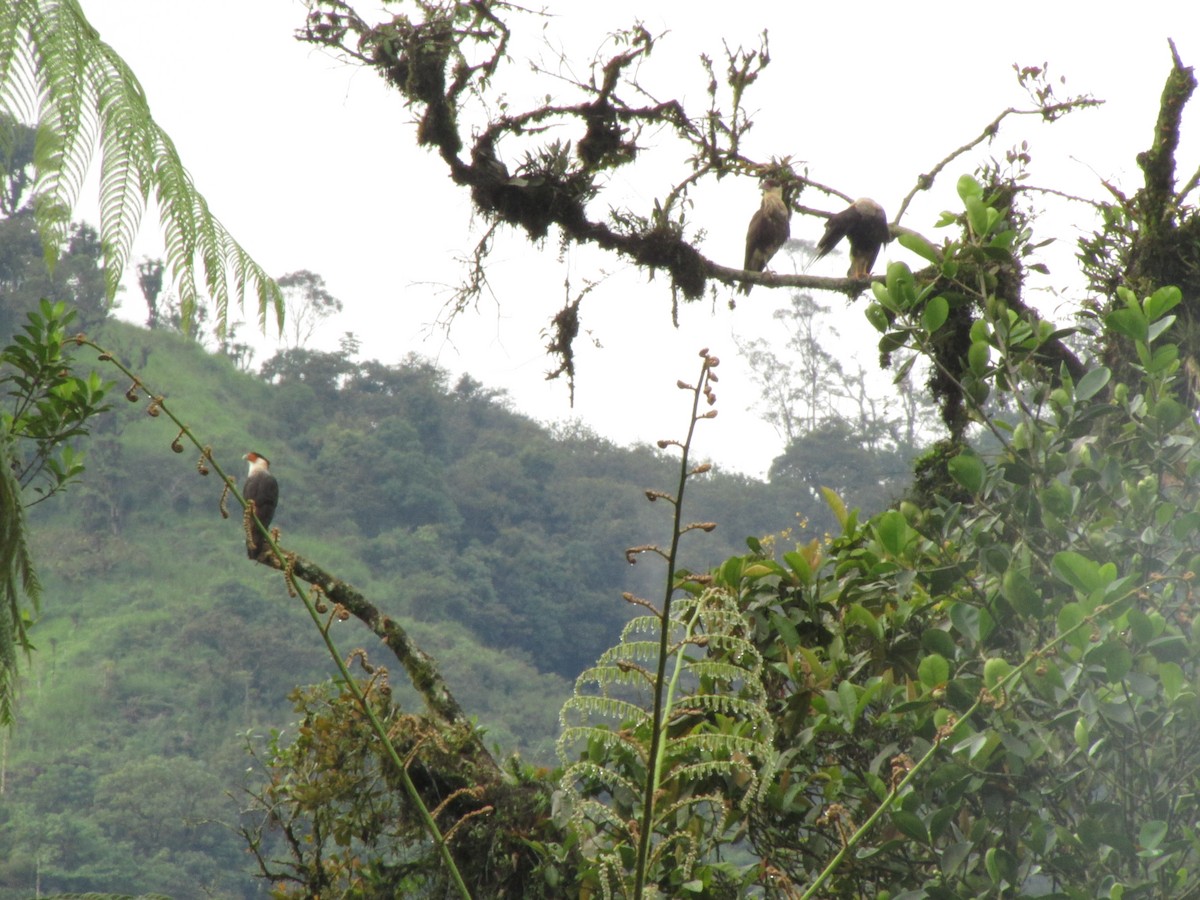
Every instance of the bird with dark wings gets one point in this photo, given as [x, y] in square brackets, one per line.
[769, 229]
[865, 225]
[261, 492]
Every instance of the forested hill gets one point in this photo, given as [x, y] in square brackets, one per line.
[162, 649]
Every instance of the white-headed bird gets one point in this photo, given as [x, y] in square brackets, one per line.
[261, 491]
[768, 230]
[865, 225]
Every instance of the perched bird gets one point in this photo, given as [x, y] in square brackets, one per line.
[261, 491]
[768, 229]
[865, 224]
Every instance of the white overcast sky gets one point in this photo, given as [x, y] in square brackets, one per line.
[311, 163]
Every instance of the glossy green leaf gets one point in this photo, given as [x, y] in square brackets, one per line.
[1129, 322]
[933, 670]
[836, 506]
[900, 285]
[995, 670]
[1161, 301]
[1171, 676]
[966, 620]
[910, 825]
[968, 187]
[954, 856]
[977, 216]
[1155, 330]
[934, 316]
[860, 615]
[1020, 592]
[878, 317]
[968, 470]
[910, 240]
[1001, 866]
[1077, 570]
[979, 356]
[1082, 734]
[1071, 618]
[892, 530]
[1092, 383]
[1151, 834]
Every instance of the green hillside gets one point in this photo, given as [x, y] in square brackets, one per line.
[164, 652]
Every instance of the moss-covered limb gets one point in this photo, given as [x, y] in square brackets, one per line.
[1156, 200]
[436, 694]
[421, 668]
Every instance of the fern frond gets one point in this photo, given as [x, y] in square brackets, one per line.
[604, 738]
[602, 707]
[719, 750]
[17, 579]
[55, 71]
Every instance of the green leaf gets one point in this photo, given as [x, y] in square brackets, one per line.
[1151, 834]
[978, 357]
[933, 670]
[934, 316]
[1077, 570]
[1001, 866]
[918, 245]
[1129, 322]
[968, 187]
[1019, 591]
[1162, 300]
[1114, 656]
[798, 563]
[910, 825]
[1168, 412]
[877, 316]
[1171, 677]
[937, 640]
[892, 530]
[786, 630]
[1070, 618]
[968, 470]
[966, 620]
[954, 856]
[977, 216]
[836, 506]
[856, 614]
[1082, 735]
[1157, 328]
[995, 670]
[1092, 382]
[900, 285]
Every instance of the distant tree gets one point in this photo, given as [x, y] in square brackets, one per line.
[150, 280]
[308, 303]
[798, 388]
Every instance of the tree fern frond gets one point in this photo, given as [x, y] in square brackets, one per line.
[607, 739]
[605, 777]
[625, 672]
[123, 183]
[606, 707]
[19, 83]
[17, 579]
[717, 727]
[631, 651]
[55, 69]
